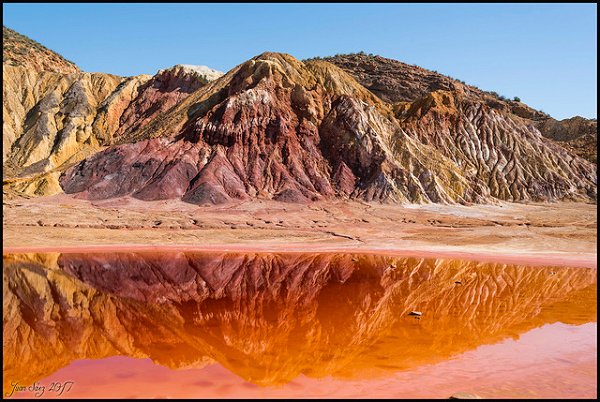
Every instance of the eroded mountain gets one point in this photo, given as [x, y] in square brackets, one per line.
[278, 128]
[275, 127]
[54, 115]
[394, 81]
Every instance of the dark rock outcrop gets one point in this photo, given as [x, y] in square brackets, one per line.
[577, 133]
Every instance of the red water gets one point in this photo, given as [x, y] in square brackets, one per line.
[553, 361]
[231, 326]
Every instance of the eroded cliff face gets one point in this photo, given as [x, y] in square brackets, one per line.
[394, 81]
[50, 123]
[507, 159]
[64, 118]
[270, 318]
[281, 129]
[23, 60]
[163, 91]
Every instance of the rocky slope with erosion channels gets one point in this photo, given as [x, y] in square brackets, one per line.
[394, 81]
[278, 128]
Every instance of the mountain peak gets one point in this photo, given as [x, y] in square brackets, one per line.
[274, 55]
[206, 74]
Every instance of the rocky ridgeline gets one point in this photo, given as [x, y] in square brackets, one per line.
[20, 51]
[278, 128]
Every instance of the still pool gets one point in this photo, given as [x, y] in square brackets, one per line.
[227, 325]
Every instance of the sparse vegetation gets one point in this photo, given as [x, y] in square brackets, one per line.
[16, 44]
[498, 96]
[339, 55]
[471, 87]
[313, 58]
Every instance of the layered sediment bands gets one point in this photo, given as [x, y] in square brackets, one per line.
[277, 128]
[163, 91]
[270, 318]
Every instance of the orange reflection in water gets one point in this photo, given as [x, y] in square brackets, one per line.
[278, 322]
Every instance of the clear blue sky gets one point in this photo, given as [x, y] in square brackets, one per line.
[543, 53]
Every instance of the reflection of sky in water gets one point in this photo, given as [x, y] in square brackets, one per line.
[293, 326]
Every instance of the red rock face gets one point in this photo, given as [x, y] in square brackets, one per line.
[279, 129]
[149, 170]
[162, 92]
[265, 143]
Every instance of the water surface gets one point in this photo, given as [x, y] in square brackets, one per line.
[295, 325]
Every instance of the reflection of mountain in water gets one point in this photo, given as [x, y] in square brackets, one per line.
[269, 318]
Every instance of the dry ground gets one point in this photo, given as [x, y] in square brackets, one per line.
[561, 233]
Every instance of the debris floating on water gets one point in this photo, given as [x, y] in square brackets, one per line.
[464, 395]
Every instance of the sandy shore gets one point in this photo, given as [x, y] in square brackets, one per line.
[536, 234]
